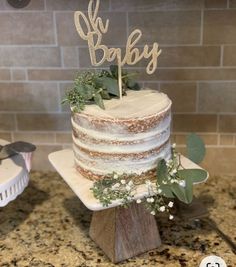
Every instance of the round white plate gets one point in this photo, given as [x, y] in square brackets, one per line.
[14, 177]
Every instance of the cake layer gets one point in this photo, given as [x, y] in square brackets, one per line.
[115, 140]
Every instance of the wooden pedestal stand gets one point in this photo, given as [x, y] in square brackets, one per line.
[124, 232]
[121, 233]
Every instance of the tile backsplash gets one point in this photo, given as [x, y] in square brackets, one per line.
[40, 53]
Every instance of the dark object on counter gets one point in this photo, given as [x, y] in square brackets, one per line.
[198, 213]
[18, 3]
[15, 148]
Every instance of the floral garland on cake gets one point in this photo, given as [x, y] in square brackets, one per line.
[172, 181]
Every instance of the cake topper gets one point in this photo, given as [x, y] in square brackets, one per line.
[91, 29]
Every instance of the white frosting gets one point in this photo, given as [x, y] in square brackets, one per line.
[113, 139]
[135, 104]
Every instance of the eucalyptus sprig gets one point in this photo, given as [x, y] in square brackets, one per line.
[172, 181]
[93, 87]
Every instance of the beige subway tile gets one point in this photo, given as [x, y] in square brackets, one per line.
[151, 5]
[227, 123]
[33, 5]
[7, 122]
[209, 139]
[232, 3]
[70, 56]
[67, 34]
[30, 57]
[171, 27]
[28, 97]
[226, 139]
[229, 56]
[194, 123]
[73, 5]
[5, 74]
[65, 87]
[217, 97]
[6, 136]
[188, 74]
[18, 74]
[34, 137]
[43, 122]
[29, 28]
[183, 96]
[52, 74]
[64, 138]
[215, 3]
[219, 27]
[40, 157]
[220, 160]
[192, 56]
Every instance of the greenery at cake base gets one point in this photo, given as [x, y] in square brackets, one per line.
[172, 181]
[93, 87]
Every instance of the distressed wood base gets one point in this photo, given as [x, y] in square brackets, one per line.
[124, 232]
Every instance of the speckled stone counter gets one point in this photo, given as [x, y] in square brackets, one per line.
[48, 226]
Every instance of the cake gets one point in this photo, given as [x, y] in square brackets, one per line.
[128, 137]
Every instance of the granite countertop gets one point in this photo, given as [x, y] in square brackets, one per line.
[48, 226]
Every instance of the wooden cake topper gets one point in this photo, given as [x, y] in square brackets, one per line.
[91, 29]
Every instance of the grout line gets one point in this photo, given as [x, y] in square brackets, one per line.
[197, 97]
[228, 3]
[201, 27]
[221, 55]
[11, 75]
[62, 57]
[55, 28]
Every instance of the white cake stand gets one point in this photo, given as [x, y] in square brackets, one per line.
[120, 232]
[14, 177]
[63, 162]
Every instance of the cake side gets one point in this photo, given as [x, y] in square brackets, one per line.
[104, 143]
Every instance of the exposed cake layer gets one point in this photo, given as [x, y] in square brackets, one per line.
[105, 142]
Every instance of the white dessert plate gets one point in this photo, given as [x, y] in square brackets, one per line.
[63, 162]
[14, 177]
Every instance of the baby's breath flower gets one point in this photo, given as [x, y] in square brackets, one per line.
[159, 191]
[182, 183]
[171, 217]
[170, 204]
[130, 183]
[173, 145]
[123, 181]
[115, 186]
[128, 188]
[150, 200]
[138, 201]
[115, 176]
[162, 208]
[153, 212]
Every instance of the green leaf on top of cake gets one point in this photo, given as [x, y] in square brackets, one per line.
[92, 87]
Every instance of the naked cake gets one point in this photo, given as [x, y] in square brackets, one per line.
[128, 137]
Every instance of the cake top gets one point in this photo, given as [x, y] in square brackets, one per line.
[136, 104]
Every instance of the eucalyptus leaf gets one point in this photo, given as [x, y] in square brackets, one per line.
[161, 171]
[196, 175]
[195, 148]
[166, 191]
[180, 193]
[105, 95]
[114, 71]
[111, 85]
[98, 100]
[188, 189]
